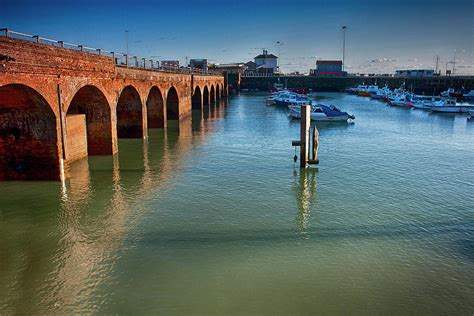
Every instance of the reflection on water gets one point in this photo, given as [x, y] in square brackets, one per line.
[209, 216]
[306, 197]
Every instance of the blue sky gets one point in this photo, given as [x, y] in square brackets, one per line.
[381, 35]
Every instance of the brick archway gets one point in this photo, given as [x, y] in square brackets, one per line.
[205, 97]
[155, 108]
[212, 95]
[28, 135]
[129, 114]
[90, 101]
[172, 104]
[197, 99]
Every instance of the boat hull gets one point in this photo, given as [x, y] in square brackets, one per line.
[364, 93]
[404, 104]
[452, 109]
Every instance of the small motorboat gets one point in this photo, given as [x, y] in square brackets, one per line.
[357, 89]
[423, 102]
[321, 112]
[402, 100]
[291, 98]
[469, 96]
[367, 91]
[451, 93]
[450, 106]
[381, 94]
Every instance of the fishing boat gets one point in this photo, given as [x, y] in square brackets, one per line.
[321, 112]
[381, 93]
[451, 93]
[367, 91]
[451, 106]
[423, 102]
[402, 100]
[357, 89]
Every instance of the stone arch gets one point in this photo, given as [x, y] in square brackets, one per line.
[129, 114]
[212, 95]
[218, 94]
[28, 135]
[205, 96]
[155, 109]
[197, 99]
[172, 104]
[90, 100]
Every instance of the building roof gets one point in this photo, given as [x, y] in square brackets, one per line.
[266, 56]
[250, 63]
[326, 62]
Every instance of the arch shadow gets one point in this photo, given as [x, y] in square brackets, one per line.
[28, 135]
[129, 114]
[155, 109]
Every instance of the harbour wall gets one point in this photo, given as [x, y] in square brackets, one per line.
[428, 86]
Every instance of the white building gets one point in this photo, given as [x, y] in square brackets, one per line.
[266, 63]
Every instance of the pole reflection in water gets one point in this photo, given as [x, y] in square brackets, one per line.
[306, 197]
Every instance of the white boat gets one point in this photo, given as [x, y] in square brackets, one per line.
[271, 100]
[402, 100]
[321, 112]
[450, 106]
[423, 102]
[291, 98]
[447, 93]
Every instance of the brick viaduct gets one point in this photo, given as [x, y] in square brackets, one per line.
[59, 105]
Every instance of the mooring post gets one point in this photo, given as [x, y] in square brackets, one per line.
[304, 135]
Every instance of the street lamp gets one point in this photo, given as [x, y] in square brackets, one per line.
[126, 40]
[343, 45]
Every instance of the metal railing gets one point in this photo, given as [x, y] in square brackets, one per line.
[119, 59]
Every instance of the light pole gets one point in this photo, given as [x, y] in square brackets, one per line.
[126, 40]
[343, 45]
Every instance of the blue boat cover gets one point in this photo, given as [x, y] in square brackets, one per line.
[331, 112]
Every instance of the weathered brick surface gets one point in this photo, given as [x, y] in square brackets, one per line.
[57, 75]
[77, 137]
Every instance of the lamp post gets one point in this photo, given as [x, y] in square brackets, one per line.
[343, 45]
[126, 40]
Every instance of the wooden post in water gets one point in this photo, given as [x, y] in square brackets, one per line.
[315, 144]
[304, 135]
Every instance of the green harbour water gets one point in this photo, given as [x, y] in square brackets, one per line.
[213, 217]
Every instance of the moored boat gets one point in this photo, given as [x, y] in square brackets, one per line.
[469, 96]
[402, 100]
[367, 91]
[450, 106]
[321, 112]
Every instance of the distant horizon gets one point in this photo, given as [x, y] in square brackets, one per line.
[380, 37]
